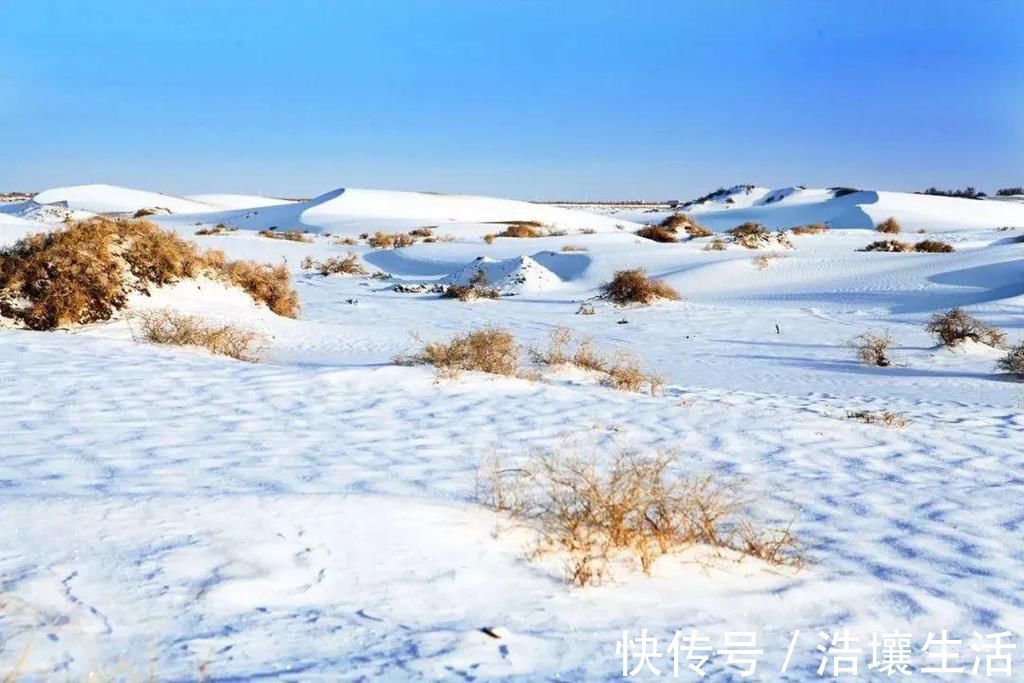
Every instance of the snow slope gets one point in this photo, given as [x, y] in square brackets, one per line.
[174, 515]
[113, 199]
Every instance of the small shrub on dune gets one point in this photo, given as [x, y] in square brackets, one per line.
[289, 235]
[265, 283]
[632, 507]
[489, 238]
[892, 246]
[219, 229]
[657, 234]
[1013, 361]
[889, 225]
[390, 240]
[345, 241]
[526, 229]
[145, 211]
[573, 247]
[168, 327]
[748, 229]
[716, 244]
[470, 292]
[886, 418]
[813, 229]
[695, 230]
[425, 231]
[633, 286]
[336, 265]
[626, 374]
[491, 350]
[873, 349]
[622, 372]
[957, 326]
[933, 246]
[763, 261]
[675, 221]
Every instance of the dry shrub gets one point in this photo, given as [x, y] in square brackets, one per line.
[425, 231]
[489, 238]
[695, 230]
[812, 229]
[764, 260]
[219, 229]
[633, 286]
[872, 349]
[492, 350]
[522, 229]
[168, 327]
[895, 246]
[574, 247]
[633, 507]
[749, 228]
[622, 371]
[1013, 361]
[957, 325]
[657, 234]
[933, 247]
[146, 211]
[890, 225]
[470, 292]
[289, 235]
[345, 241]
[675, 221]
[716, 244]
[266, 283]
[381, 275]
[390, 240]
[341, 265]
[588, 231]
[884, 417]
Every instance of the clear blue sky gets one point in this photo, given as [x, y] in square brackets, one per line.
[525, 99]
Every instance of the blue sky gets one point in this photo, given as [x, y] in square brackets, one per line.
[525, 99]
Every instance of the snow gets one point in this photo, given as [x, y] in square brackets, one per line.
[312, 516]
[236, 201]
[112, 199]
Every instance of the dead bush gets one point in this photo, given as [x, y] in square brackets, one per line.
[812, 229]
[635, 507]
[425, 231]
[345, 241]
[933, 246]
[492, 350]
[289, 235]
[895, 246]
[622, 371]
[219, 229]
[872, 349]
[675, 221]
[489, 238]
[525, 229]
[957, 325]
[749, 228]
[716, 244]
[336, 265]
[889, 225]
[886, 418]
[1013, 361]
[266, 283]
[390, 240]
[633, 286]
[626, 374]
[657, 234]
[148, 211]
[573, 247]
[168, 327]
[470, 292]
[695, 230]
[765, 260]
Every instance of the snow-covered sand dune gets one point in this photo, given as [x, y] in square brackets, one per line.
[313, 517]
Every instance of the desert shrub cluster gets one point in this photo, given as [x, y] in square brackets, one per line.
[669, 228]
[1013, 361]
[632, 507]
[890, 226]
[956, 326]
[470, 292]
[335, 265]
[657, 234]
[633, 286]
[894, 246]
[85, 271]
[756, 236]
[167, 327]
[621, 371]
[886, 418]
[289, 235]
[522, 229]
[812, 229]
[716, 244]
[219, 229]
[491, 350]
[390, 240]
[873, 349]
[933, 247]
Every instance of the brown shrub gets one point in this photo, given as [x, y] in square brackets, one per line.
[345, 241]
[390, 240]
[748, 229]
[626, 374]
[290, 235]
[266, 283]
[341, 265]
[813, 229]
[219, 229]
[425, 231]
[523, 229]
[1013, 361]
[633, 507]
[656, 234]
[872, 349]
[889, 225]
[145, 211]
[489, 238]
[573, 247]
[470, 292]
[675, 221]
[168, 327]
[933, 246]
[622, 372]
[957, 325]
[764, 260]
[492, 350]
[716, 244]
[695, 230]
[888, 246]
[633, 286]
[884, 417]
